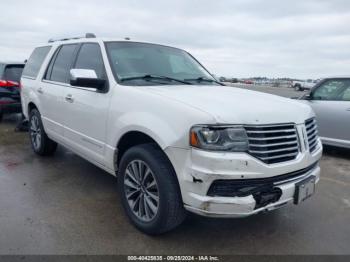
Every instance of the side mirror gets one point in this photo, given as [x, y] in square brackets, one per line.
[86, 78]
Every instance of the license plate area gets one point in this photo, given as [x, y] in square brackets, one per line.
[304, 189]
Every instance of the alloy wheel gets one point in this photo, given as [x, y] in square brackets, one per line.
[141, 190]
[35, 132]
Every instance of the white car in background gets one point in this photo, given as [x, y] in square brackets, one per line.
[303, 85]
[175, 137]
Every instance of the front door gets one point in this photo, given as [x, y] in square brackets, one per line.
[331, 103]
[86, 109]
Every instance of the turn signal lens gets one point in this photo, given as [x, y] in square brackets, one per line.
[194, 139]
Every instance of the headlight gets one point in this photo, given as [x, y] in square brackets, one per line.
[219, 138]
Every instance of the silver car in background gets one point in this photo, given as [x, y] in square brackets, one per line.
[330, 99]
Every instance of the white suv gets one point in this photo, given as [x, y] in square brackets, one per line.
[177, 139]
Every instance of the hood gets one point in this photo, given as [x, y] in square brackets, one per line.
[231, 105]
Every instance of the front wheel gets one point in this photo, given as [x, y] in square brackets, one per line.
[297, 87]
[149, 190]
[41, 143]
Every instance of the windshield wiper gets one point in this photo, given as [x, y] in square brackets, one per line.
[150, 77]
[203, 79]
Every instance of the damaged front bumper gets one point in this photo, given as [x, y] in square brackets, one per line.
[265, 186]
[280, 195]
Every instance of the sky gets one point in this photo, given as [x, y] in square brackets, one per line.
[233, 38]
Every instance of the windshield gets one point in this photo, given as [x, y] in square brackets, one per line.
[149, 64]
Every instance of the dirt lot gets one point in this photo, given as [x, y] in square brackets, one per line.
[65, 205]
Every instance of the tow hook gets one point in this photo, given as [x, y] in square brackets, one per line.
[265, 197]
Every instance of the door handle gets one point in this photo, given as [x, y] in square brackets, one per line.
[40, 90]
[69, 99]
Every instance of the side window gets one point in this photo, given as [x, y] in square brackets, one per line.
[35, 61]
[346, 94]
[47, 75]
[90, 57]
[331, 90]
[62, 64]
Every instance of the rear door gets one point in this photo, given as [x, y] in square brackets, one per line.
[30, 85]
[331, 103]
[53, 86]
[86, 109]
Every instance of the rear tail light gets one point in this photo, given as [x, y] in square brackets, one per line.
[3, 83]
[7, 83]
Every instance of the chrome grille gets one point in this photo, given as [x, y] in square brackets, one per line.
[312, 134]
[273, 143]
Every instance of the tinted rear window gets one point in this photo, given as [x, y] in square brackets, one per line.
[13, 72]
[35, 61]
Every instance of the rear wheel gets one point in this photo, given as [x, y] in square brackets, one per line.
[41, 143]
[297, 87]
[149, 190]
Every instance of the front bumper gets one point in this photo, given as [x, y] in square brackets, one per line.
[197, 170]
[246, 206]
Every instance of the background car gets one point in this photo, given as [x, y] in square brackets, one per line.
[10, 99]
[248, 82]
[330, 99]
[303, 85]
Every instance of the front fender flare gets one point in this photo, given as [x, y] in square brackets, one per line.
[164, 133]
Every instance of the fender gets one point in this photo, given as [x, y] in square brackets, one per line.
[149, 124]
[160, 131]
[31, 97]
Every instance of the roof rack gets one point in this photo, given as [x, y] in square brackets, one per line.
[87, 35]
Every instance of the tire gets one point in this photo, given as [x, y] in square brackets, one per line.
[163, 215]
[1, 115]
[297, 87]
[41, 144]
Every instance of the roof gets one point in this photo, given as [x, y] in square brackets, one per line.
[83, 39]
[89, 37]
[101, 40]
[97, 39]
[340, 76]
[11, 63]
